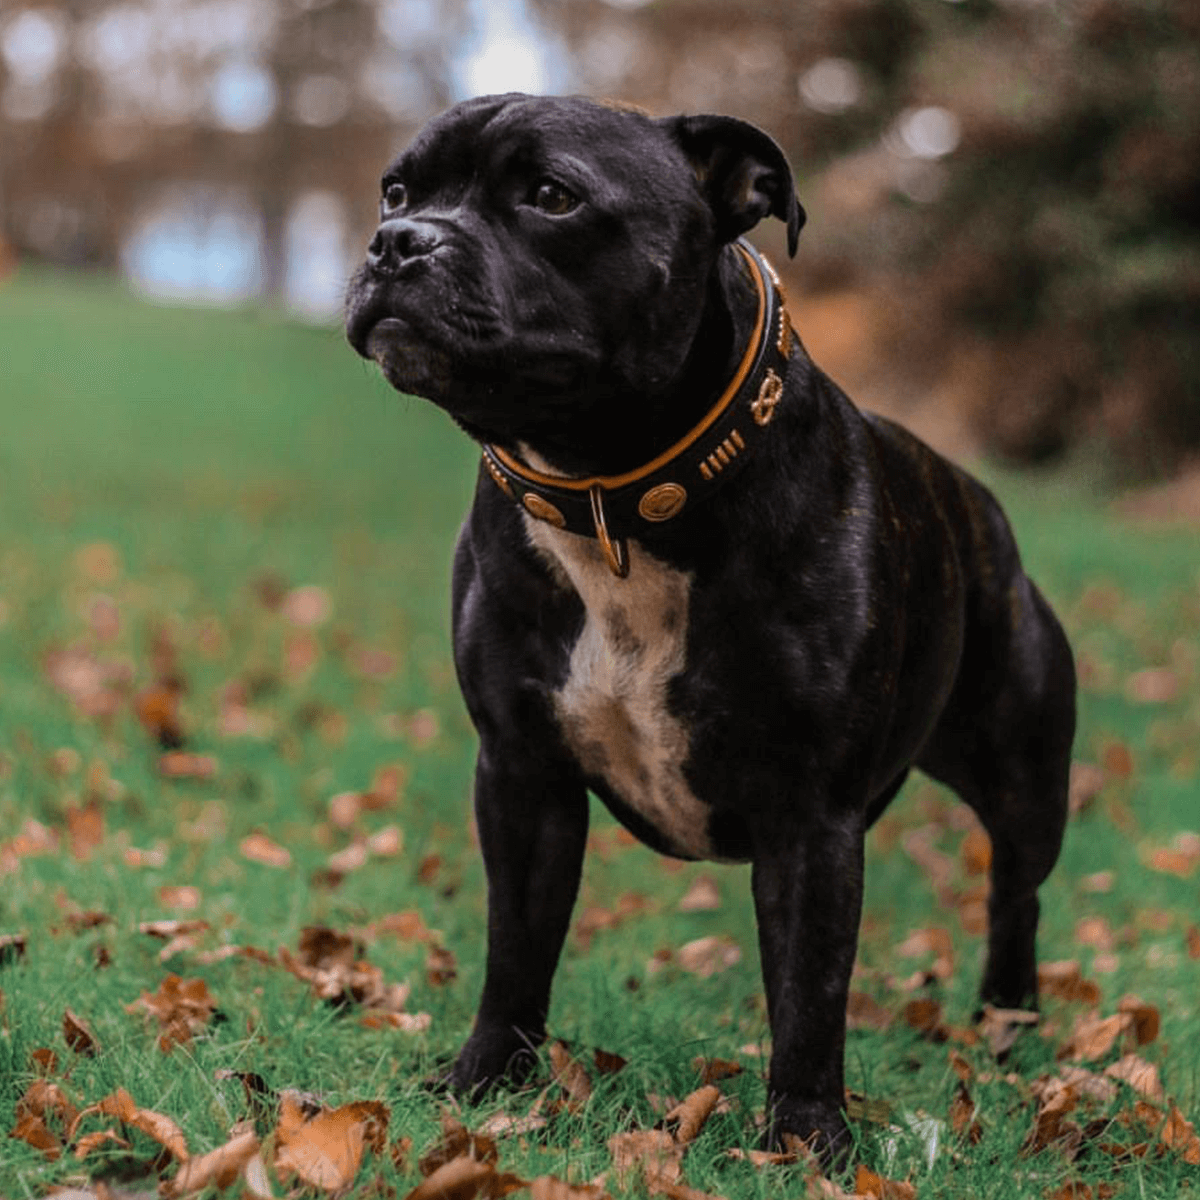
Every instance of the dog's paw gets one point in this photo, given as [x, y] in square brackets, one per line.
[805, 1127]
[488, 1060]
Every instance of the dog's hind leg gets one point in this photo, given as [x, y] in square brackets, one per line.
[1005, 748]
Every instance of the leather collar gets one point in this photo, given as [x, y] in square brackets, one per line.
[612, 508]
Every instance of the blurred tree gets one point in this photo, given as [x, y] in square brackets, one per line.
[1025, 172]
[107, 104]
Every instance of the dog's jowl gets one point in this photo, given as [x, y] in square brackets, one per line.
[695, 579]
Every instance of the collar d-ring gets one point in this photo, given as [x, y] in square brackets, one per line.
[616, 554]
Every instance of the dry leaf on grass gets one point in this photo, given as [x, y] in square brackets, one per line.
[218, 1168]
[93, 1141]
[182, 1008]
[329, 962]
[702, 896]
[259, 848]
[713, 1070]
[1000, 1027]
[183, 896]
[707, 956]
[547, 1187]
[457, 1141]
[405, 1022]
[326, 1150]
[1139, 1074]
[651, 1154]
[867, 1183]
[934, 941]
[33, 1132]
[155, 1125]
[571, 1076]
[691, 1114]
[464, 1178]
[962, 1115]
[865, 1012]
[78, 1035]
[179, 764]
[1065, 981]
[1179, 1134]
[441, 967]
[504, 1125]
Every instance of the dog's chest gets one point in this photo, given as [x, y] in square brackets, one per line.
[613, 707]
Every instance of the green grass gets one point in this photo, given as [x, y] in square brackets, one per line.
[216, 458]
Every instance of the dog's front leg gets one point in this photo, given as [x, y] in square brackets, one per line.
[532, 820]
[807, 883]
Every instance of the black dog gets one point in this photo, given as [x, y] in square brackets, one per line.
[695, 579]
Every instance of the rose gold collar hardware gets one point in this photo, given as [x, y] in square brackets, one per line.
[616, 553]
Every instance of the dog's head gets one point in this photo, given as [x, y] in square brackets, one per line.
[537, 256]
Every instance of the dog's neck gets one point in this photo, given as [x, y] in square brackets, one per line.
[626, 431]
[712, 446]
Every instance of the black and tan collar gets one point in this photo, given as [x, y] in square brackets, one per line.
[612, 508]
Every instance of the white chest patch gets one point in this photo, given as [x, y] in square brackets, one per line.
[613, 706]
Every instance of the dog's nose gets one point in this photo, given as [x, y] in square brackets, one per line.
[400, 241]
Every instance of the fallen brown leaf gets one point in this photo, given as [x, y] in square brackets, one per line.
[547, 1187]
[607, 1063]
[702, 896]
[183, 896]
[1146, 1020]
[81, 922]
[325, 1151]
[652, 1154]
[934, 941]
[692, 1113]
[1152, 685]
[179, 764]
[962, 1116]
[78, 1035]
[157, 709]
[12, 947]
[865, 1012]
[1000, 1027]
[403, 1021]
[924, 1014]
[182, 1007]
[463, 1178]
[93, 1141]
[1064, 980]
[707, 956]
[1139, 1074]
[85, 827]
[441, 967]
[155, 1125]
[259, 848]
[713, 1070]
[32, 1130]
[44, 1060]
[867, 1183]
[457, 1141]
[1094, 1036]
[1179, 1134]
[571, 1076]
[218, 1168]
[976, 851]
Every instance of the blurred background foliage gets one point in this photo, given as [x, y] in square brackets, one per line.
[1004, 195]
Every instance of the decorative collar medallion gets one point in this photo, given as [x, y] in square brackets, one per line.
[612, 508]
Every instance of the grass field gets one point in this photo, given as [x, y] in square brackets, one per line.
[226, 701]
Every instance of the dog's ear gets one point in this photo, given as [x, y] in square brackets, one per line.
[742, 171]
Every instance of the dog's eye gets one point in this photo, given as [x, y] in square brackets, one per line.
[552, 198]
[395, 196]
